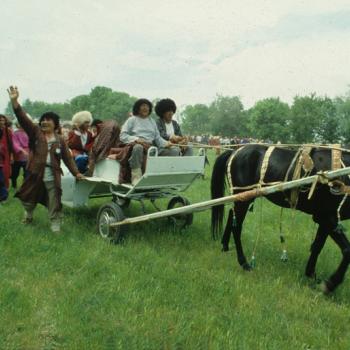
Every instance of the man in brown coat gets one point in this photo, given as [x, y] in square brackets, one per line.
[47, 148]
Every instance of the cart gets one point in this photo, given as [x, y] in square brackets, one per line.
[164, 177]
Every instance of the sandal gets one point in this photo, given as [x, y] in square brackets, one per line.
[27, 221]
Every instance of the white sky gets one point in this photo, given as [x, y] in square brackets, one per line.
[189, 50]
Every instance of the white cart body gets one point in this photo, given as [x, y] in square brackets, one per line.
[164, 177]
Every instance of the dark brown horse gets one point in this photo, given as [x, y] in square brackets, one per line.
[245, 170]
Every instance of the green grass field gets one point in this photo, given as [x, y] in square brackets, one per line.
[164, 289]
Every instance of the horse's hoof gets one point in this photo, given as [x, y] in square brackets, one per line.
[247, 267]
[311, 275]
[225, 249]
[325, 288]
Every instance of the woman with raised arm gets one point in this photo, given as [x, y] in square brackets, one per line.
[46, 149]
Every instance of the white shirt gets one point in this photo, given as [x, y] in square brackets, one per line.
[169, 129]
[83, 136]
[48, 174]
[144, 128]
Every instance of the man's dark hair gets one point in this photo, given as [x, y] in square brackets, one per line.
[95, 122]
[138, 103]
[165, 105]
[51, 116]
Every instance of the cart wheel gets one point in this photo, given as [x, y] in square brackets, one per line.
[109, 213]
[122, 202]
[180, 220]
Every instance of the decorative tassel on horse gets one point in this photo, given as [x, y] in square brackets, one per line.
[284, 256]
[253, 259]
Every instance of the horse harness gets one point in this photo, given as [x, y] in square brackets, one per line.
[301, 161]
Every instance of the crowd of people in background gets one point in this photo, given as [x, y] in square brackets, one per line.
[224, 141]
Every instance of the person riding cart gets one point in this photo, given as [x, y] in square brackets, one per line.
[170, 130]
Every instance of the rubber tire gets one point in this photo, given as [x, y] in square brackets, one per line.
[110, 212]
[188, 217]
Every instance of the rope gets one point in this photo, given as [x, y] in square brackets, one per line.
[277, 145]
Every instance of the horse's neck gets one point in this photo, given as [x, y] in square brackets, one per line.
[322, 159]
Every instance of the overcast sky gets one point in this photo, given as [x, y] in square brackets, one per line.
[189, 50]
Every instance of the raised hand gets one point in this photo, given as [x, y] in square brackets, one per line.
[13, 94]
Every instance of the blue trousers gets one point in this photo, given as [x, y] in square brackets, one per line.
[82, 161]
[3, 190]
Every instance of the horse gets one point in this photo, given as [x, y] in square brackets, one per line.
[244, 167]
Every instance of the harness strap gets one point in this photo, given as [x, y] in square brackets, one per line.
[228, 169]
[265, 164]
[297, 154]
[336, 158]
[263, 170]
[305, 162]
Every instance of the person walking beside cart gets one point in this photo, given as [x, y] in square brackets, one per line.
[47, 148]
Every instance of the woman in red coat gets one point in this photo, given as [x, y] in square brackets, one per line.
[80, 139]
[5, 156]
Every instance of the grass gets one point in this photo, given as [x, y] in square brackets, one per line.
[164, 289]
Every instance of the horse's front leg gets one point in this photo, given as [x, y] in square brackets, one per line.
[339, 237]
[316, 247]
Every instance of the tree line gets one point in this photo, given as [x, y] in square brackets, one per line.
[309, 118]
[102, 102]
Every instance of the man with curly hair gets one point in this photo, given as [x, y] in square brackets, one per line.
[170, 130]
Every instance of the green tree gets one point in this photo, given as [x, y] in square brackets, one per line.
[342, 105]
[269, 120]
[104, 103]
[227, 117]
[329, 128]
[195, 119]
[314, 119]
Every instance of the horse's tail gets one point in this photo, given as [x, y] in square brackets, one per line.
[217, 188]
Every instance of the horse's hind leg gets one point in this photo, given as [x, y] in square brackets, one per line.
[240, 209]
[227, 233]
[316, 247]
[343, 243]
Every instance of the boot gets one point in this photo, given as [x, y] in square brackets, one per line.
[28, 218]
[136, 175]
[55, 227]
